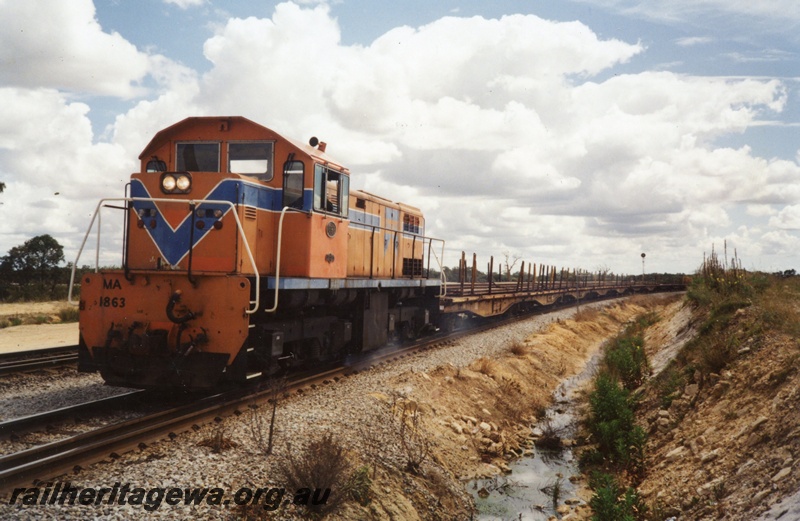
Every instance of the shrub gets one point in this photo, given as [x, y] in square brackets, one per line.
[611, 418]
[68, 314]
[610, 403]
[670, 385]
[550, 439]
[518, 349]
[611, 503]
[360, 485]
[627, 361]
[218, 441]
[320, 465]
[486, 366]
[415, 442]
[716, 353]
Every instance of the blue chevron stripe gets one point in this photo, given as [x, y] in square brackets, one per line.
[173, 243]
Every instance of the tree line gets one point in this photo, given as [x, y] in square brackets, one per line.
[33, 271]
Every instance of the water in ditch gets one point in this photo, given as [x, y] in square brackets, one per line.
[539, 484]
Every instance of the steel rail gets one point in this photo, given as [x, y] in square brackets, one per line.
[21, 425]
[59, 457]
[20, 361]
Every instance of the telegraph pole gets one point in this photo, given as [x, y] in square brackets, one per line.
[643, 256]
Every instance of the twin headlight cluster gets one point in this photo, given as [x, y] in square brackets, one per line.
[180, 183]
[176, 183]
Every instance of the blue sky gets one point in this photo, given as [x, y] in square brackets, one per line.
[576, 133]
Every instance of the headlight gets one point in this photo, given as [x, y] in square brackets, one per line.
[168, 183]
[180, 183]
[184, 182]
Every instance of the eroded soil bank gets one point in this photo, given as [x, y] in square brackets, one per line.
[479, 417]
[723, 444]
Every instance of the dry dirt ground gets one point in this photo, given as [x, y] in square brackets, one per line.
[727, 446]
[35, 336]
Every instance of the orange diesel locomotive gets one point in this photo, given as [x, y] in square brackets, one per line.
[245, 251]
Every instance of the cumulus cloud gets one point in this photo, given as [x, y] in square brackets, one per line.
[787, 219]
[510, 133]
[60, 45]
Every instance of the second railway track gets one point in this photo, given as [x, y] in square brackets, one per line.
[20, 361]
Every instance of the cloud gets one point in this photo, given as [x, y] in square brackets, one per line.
[60, 45]
[691, 41]
[186, 4]
[787, 219]
[764, 55]
[784, 11]
[512, 134]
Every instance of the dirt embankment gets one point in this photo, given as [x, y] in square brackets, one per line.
[724, 445]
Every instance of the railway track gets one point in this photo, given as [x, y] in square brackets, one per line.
[10, 429]
[37, 359]
[70, 454]
[60, 457]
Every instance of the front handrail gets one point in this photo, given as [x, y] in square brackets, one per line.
[278, 257]
[96, 216]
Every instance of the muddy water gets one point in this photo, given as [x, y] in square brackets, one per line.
[538, 485]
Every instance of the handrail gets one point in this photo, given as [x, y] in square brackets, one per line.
[96, 215]
[278, 257]
[442, 276]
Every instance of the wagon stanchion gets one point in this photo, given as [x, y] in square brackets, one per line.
[474, 273]
[490, 272]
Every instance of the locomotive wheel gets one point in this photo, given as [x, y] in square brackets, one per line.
[407, 332]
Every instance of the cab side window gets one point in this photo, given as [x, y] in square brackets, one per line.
[293, 173]
[331, 191]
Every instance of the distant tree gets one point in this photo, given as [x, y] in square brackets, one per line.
[2, 187]
[34, 261]
[510, 261]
